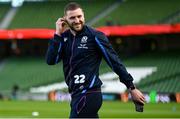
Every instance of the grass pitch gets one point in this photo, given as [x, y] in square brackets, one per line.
[110, 109]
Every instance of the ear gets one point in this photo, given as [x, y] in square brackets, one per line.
[65, 18]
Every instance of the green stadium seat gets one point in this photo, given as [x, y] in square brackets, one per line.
[3, 10]
[44, 14]
[141, 12]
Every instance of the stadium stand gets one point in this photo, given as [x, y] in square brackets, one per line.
[141, 12]
[173, 18]
[3, 9]
[178, 20]
[167, 75]
[29, 71]
[44, 14]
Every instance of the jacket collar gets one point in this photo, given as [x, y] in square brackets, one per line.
[80, 32]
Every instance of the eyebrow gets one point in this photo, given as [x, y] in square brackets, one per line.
[72, 17]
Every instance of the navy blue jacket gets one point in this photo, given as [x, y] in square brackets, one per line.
[82, 55]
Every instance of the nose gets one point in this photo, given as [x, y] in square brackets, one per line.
[76, 20]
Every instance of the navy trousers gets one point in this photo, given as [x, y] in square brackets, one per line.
[86, 105]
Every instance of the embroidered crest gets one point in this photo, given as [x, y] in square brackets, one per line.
[84, 39]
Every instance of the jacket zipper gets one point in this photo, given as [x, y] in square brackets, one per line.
[70, 61]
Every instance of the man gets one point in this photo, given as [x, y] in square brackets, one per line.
[81, 49]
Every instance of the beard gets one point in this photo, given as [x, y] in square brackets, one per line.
[73, 26]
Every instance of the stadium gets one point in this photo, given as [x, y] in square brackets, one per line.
[144, 33]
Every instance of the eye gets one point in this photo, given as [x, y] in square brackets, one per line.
[79, 16]
[72, 18]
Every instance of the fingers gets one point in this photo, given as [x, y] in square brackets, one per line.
[138, 96]
[142, 100]
[60, 23]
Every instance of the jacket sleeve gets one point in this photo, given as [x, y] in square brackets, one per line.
[113, 60]
[54, 52]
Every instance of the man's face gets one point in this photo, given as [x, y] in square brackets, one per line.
[75, 19]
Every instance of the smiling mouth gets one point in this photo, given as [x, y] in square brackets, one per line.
[77, 25]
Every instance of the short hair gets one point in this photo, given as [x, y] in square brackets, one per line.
[71, 6]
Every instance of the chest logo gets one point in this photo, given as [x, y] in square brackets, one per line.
[84, 39]
[65, 39]
[83, 44]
